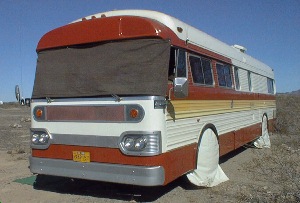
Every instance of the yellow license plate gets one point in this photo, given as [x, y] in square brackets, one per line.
[81, 156]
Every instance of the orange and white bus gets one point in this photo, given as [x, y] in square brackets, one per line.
[139, 97]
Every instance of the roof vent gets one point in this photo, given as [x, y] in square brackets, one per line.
[240, 48]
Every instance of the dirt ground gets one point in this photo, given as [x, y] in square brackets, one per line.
[256, 175]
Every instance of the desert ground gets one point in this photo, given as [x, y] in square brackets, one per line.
[256, 175]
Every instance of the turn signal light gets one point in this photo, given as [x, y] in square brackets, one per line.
[134, 113]
[39, 113]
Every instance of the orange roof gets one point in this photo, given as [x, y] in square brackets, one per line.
[103, 29]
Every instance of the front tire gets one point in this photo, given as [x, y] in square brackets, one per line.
[208, 172]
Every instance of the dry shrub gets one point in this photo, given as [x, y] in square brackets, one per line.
[276, 172]
[288, 114]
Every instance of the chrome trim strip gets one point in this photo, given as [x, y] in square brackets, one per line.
[126, 98]
[85, 140]
[116, 173]
[77, 140]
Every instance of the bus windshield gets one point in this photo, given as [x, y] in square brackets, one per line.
[130, 67]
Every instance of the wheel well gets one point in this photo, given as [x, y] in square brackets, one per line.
[204, 128]
[266, 115]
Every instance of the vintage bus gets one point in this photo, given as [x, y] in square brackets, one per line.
[139, 97]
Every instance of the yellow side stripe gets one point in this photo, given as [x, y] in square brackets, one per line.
[195, 108]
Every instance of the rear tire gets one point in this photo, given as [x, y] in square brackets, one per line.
[264, 140]
[264, 126]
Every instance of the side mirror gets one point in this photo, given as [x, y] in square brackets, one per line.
[17, 93]
[181, 89]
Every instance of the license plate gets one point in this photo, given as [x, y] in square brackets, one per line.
[81, 156]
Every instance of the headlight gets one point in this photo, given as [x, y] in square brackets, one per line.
[135, 143]
[129, 143]
[35, 138]
[140, 143]
[44, 138]
[39, 137]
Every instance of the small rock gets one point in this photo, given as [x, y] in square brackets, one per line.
[15, 125]
[25, 119]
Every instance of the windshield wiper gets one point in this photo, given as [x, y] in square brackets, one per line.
[118, 99]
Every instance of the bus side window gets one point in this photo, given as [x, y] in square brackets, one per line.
[249, 81]
[270, 84]
[172, 65]
[181, 63]
[237, 79]
[180, 83]
[224, 75]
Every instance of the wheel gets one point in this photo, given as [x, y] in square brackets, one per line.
[208, 172]
[264, 126]
[264, 140]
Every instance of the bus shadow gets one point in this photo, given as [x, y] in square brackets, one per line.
[106, 190]
[234, 153]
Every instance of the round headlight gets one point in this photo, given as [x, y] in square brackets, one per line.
[140, 143]
[44, 138]
[35, 138]
[129, 143]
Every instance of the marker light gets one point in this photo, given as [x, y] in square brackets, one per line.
[134, 113]
[39, 113]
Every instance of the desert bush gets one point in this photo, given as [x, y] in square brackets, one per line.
[275, 172]
[288, 114]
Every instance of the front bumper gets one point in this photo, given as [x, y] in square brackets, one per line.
[116, 173]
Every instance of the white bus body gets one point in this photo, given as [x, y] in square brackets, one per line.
[122, 121]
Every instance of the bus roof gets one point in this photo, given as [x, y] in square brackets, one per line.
[196, 37]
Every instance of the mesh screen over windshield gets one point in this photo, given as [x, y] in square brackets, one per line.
[131, 67]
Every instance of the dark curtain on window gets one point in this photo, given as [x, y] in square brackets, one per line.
[132, 67]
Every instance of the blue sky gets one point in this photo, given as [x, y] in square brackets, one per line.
[269, 29]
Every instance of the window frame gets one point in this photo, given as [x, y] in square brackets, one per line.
[237, 78]
[177, 50]
[270, 84]
[249, 77]
[230, 73]
[211, 68]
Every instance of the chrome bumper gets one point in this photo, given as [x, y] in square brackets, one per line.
[116, 173]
